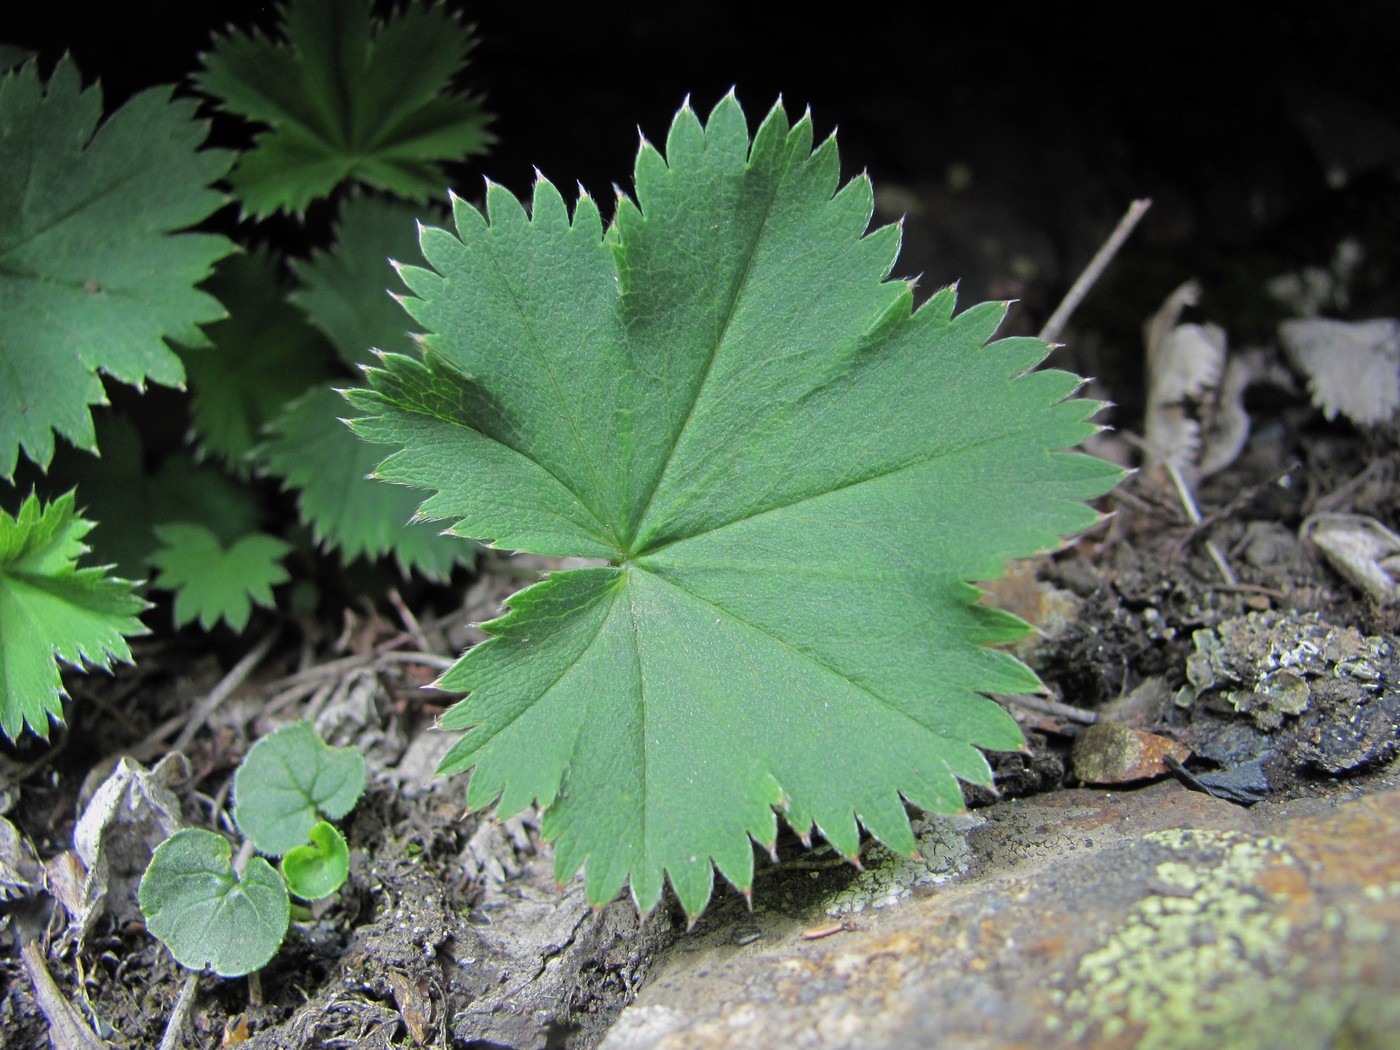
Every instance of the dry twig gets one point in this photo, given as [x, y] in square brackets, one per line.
[67, 1029]
[1094, 270]
[1194, 513]
[175, 1025]
[1045, 706]
[223, 690]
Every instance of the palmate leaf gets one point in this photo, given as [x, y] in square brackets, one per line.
[261, 357]
[51, 610]
[791, 473]
[330, 469]
[342, 291]
[347, 97]
[343, 294]
[91, 278]
[117, 491]
[213, 581]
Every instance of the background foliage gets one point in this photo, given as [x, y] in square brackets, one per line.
[102, 281]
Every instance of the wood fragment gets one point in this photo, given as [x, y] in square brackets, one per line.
[174, 1035]
[221, 692]
[816, 933]
[1045, 706]
[67, 1029]
[1188, 501]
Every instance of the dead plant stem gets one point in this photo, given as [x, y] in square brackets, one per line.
[1094, 270]
[173, 1036]
[223, 690]
[1045, 706]
[1194, 513]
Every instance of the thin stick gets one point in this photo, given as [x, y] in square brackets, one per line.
[221, 692]
[1045, 706]
[410, 622]
[66, 1026]
[174, 1027]
[1194, 513]
[442, 663]
[1094, 270]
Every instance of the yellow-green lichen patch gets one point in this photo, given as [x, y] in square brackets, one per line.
[1205, 961]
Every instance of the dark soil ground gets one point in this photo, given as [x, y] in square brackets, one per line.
[1011, 149]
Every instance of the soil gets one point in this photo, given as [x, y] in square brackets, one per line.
[450, 930]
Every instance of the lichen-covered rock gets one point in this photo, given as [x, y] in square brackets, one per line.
[1330, 691]
[1159, 918]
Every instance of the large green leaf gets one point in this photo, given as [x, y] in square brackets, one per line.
[91, 278]
[792, 474]
[347, 97]
[52, 610]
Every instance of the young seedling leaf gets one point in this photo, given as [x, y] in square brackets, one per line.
[92, 280]
[287, 779]
[792, 474]
[319, 868]
[51, 610]
[261, 357]
[205, 913]
[214, 582]
[347, 97]
[344, 295]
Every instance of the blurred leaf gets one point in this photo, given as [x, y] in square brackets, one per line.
[345, 291]
[261, 357]
[214, 582]
[52, 610]
[313, 451]
[347, 98]
[92, 280]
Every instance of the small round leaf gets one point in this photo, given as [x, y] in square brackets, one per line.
[204, 913]
[319, 868]
[288, 778]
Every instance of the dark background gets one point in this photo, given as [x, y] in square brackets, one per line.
[1012, 136]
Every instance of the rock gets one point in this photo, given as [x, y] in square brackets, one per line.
[1157, 918]
[1112, 753]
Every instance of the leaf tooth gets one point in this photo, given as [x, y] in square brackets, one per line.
[503, 209]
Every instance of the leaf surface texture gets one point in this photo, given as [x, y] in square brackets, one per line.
[791, 472]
